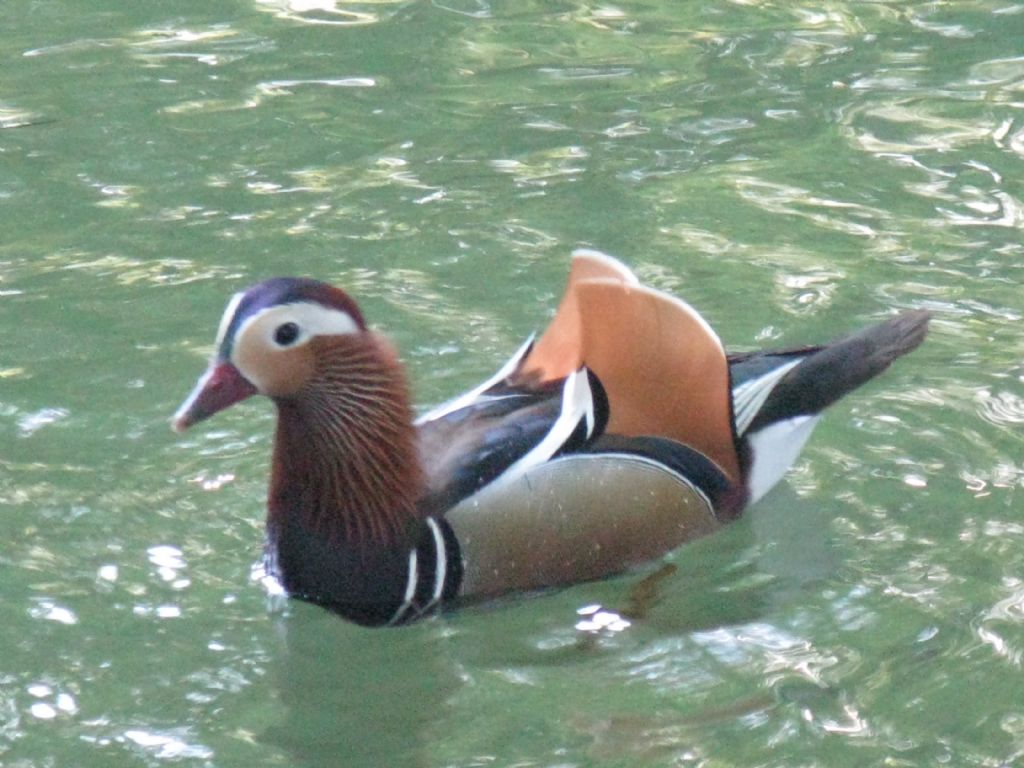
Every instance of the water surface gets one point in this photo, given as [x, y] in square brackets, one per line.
[794, 170]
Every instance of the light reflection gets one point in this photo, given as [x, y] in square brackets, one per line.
[475, 9]
[63, 703]
[43, 711]
[50, 611]
[1010, 608]
[328, 12]
[209, 105]
[166, 557]
[172, 36]
[607, 18]
[213, 483]
[999, 645]
[624, 130]
[169, 563]
[66, 702]
[30, 423]
[15, 118]
[75, 46]
[169, 745]
[274, 588]
[796, 672]
[164, 611]
[586, 73]
[112, 195]
[999, 529]
[915, 481]
[956, 31]
[1017, 142]
[1004, 475]
[598, 620]
[852, 725]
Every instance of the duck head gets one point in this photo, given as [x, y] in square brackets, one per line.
[265, 344]
[345, 461]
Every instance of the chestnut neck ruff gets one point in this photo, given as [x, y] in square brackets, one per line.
[345, 461]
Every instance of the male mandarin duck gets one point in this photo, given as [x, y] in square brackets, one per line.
[620, 433]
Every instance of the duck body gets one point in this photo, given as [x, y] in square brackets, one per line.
[622, 432]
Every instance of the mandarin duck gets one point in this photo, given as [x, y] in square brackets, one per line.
[620, 433]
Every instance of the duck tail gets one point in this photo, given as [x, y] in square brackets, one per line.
[819, 376]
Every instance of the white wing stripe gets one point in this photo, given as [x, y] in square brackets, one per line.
[465, 399]
[749, 397]
[773, 450]
[577, 404]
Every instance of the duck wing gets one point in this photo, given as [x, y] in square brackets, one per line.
[618, 357]
[602, 445]
[503, 430]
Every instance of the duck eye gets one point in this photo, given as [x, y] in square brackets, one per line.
[286, 334]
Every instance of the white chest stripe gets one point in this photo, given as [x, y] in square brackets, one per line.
[410, 589]
[441, 567]
[440, 574]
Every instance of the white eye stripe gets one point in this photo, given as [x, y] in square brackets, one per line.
[229, 315]
[312, 320]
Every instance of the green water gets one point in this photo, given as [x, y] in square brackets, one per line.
[795, 170]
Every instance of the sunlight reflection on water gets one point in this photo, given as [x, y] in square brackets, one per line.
[340, 13]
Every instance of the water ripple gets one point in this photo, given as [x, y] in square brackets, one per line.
[903, 125]
[257, 95]
[585, 73]
[1002, 626]
[808, 292]
[842, 216]
[542, 168]
[284, 87]
[986, 208]
[1004, 409]
[128, 270]
[215, 45]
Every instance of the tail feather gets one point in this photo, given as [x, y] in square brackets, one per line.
[828, 372]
